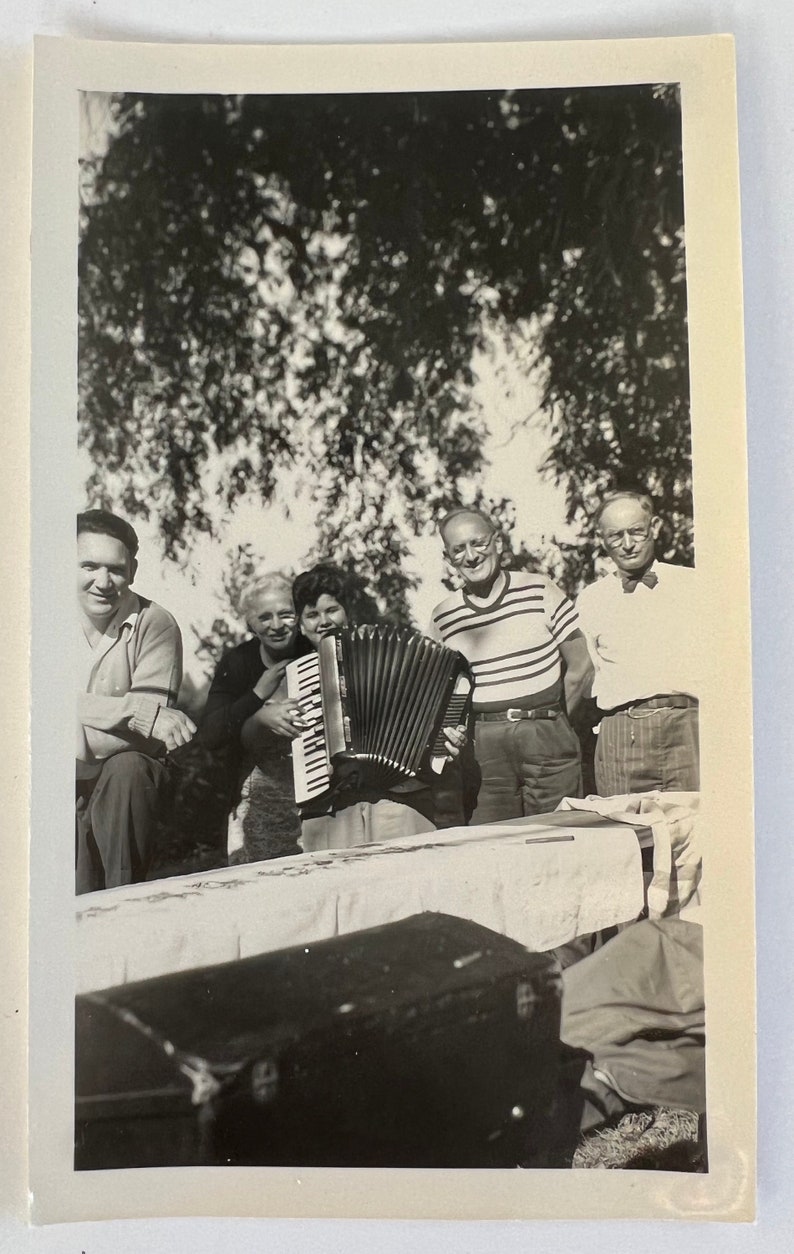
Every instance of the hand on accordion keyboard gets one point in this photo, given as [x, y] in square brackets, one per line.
[282, 716]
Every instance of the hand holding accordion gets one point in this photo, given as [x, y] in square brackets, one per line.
[378, 700]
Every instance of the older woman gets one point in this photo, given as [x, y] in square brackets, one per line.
[246, 724]
[326, 598]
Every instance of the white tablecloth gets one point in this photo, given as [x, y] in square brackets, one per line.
[540, 883]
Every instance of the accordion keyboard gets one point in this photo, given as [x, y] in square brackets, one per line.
[310, 763]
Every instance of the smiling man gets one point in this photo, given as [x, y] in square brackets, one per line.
[645, 683]
[131, 659]
[519, 632]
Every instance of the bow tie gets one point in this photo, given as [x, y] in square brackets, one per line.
[650, 579]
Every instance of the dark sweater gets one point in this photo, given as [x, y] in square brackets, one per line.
[231, 699]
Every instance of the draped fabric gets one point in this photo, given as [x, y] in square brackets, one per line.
[637, 1007]
[677, 856]
[540, 884]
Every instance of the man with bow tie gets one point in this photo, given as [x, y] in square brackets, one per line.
[640, 621]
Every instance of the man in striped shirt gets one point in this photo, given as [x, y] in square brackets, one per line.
[520, 635]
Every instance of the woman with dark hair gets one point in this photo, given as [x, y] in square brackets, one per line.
[325, 599]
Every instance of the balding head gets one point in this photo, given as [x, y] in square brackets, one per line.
[465, 511]
[639, 498]
[473, 546]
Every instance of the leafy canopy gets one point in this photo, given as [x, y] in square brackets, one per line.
[274, 281]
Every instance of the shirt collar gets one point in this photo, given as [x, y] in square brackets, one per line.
[500, 585]
[125, 616]
[128, 611]
[619, 574]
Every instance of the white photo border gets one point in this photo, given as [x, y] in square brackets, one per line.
[705, 68]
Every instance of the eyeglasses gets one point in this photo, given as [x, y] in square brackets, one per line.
[458, 554]
[267, 620]
[612, 539]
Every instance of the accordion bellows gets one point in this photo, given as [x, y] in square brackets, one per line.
[378, 699]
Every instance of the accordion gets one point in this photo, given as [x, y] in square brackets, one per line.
[376, 700]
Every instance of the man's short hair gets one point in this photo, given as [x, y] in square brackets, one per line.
[269, 581]
[460, 510]
[101, 522]
[641, 498]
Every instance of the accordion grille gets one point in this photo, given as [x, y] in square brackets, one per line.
[397, 684]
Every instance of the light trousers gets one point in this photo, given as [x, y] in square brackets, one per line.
[363, 823]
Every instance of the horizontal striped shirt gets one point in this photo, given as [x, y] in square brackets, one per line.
[511, 639]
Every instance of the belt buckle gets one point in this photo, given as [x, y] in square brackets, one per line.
[514, 715]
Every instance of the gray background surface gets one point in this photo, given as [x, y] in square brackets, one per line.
[764, 31]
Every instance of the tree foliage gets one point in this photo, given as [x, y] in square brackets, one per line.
[269, 282]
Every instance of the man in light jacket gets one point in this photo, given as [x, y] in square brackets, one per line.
[130, 668]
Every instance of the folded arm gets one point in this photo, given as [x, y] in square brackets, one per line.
[108, 724]
[228, 708]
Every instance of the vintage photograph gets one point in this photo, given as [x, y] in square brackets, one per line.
[387, 774]
[389, 401]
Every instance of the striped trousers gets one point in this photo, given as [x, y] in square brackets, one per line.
[644, 750]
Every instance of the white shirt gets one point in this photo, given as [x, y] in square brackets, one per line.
[644, 643]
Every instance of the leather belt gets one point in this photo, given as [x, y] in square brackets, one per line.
[671, 701]
[515, 714]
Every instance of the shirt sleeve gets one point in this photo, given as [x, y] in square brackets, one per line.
[231, 701]
[433, 631]
[135, 713]
[108, 724]
[583, 611]
[157, 670]
[561, 616]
